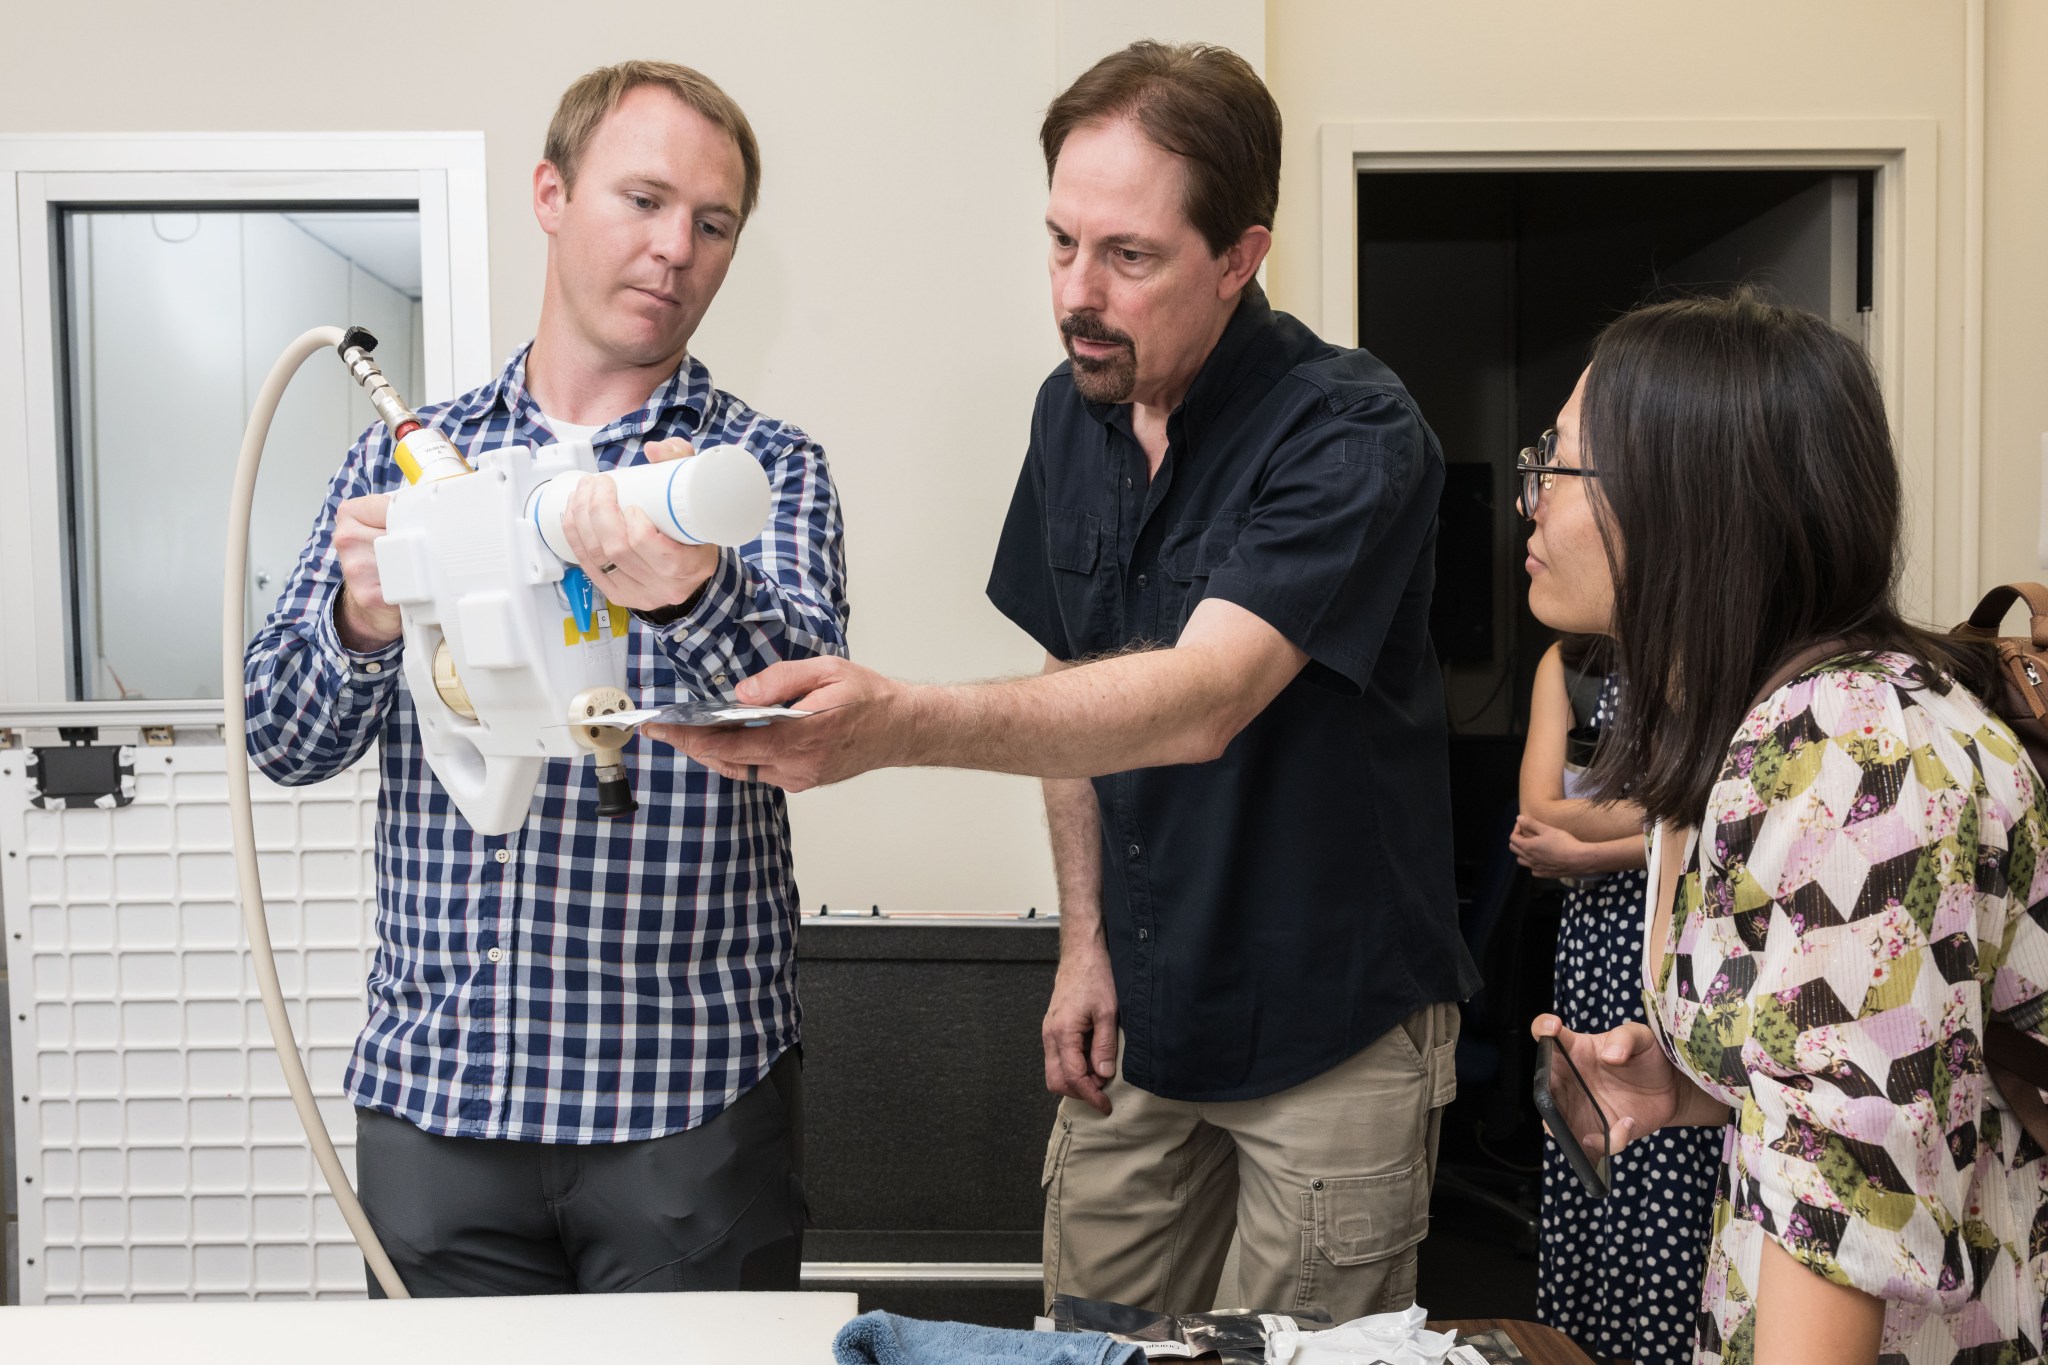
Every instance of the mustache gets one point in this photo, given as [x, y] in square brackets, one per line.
[1089, 327]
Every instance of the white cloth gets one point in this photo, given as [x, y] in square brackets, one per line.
[1382, 1339]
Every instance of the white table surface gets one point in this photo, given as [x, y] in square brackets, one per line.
[673, 1329]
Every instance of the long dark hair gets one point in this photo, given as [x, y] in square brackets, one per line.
[1750, 504]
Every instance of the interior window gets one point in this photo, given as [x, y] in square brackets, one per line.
[172, 317]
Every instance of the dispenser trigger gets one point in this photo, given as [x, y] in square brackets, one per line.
[582, 597]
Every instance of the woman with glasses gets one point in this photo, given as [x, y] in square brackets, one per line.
[1620, 1275]
[1844, 867]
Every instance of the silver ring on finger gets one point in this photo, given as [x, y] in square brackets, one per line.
[607, 568]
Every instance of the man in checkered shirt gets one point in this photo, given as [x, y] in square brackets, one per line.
[560, 1086]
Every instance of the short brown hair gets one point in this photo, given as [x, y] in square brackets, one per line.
[585, 104]
[1204, 104]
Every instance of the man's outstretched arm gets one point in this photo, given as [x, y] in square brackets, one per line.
[1144, 709]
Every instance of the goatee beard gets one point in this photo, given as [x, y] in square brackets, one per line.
[1106, 379]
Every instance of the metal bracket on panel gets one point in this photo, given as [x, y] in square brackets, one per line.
[81, 773]
[159, 736]
[10, 739]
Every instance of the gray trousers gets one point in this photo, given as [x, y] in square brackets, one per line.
[719, 1206]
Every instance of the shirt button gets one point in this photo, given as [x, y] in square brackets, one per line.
[1134, 850]
[503, 855]
[373, 667]
[1127, 481]
[495, 955]
[719, 678]
[1144, 580]
[1144, 934]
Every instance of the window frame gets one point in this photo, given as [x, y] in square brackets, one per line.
[41, 177]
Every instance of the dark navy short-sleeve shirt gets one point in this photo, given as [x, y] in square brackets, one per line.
[1269, 914]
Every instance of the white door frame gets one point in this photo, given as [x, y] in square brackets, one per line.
[1901, 151]
[443, 173]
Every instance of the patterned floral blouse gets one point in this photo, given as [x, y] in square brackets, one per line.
[1868, 886]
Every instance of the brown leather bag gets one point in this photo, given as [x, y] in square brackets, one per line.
[2022, 663]
[2017, 1061]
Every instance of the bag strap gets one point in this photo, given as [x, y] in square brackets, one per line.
[1985, 621]
[1582, 693]
[2020, 1053]
[1803, 660]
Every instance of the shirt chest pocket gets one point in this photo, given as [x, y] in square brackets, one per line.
[1073, 551]
[1073, 539]
[1188, 554]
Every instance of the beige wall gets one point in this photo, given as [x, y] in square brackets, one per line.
[890, 294]
[2016, 291]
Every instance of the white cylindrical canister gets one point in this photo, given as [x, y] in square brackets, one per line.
[719, 496]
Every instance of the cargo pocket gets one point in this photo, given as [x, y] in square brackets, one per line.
[1364, 1218]
[1442, 1060]
[1049, 1185]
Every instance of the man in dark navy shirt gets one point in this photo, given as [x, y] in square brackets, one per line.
[1223, 538]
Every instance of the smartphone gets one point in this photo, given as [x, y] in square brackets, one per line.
[1572, 1115]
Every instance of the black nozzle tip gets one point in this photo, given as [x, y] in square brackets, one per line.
[615, 797]
[357, 336]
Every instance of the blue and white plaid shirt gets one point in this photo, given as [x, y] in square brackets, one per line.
[582, 979]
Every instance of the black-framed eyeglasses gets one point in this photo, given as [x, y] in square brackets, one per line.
[1539, 469]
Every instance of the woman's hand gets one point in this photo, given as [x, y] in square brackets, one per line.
[1635, 1085]
[1552, 851]
[1547, 850]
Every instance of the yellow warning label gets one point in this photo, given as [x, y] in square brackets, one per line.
[402, 452]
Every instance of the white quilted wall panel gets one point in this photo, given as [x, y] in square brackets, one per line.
[160, 1157]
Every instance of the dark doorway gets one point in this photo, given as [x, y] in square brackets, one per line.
[1484, 291]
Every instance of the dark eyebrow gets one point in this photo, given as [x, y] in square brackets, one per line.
[1131, 241]
[1116, 242]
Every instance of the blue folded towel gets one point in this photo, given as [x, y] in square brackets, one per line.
[885, 1339]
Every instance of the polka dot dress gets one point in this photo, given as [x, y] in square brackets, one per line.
[1622, 1275]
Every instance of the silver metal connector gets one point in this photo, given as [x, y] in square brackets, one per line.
[383, 397]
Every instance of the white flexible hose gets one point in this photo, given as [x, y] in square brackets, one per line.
[234, 634]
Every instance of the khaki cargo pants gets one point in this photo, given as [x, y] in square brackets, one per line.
[1326, 1186]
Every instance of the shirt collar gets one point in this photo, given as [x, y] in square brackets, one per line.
[688, 389]
[1222, 370]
